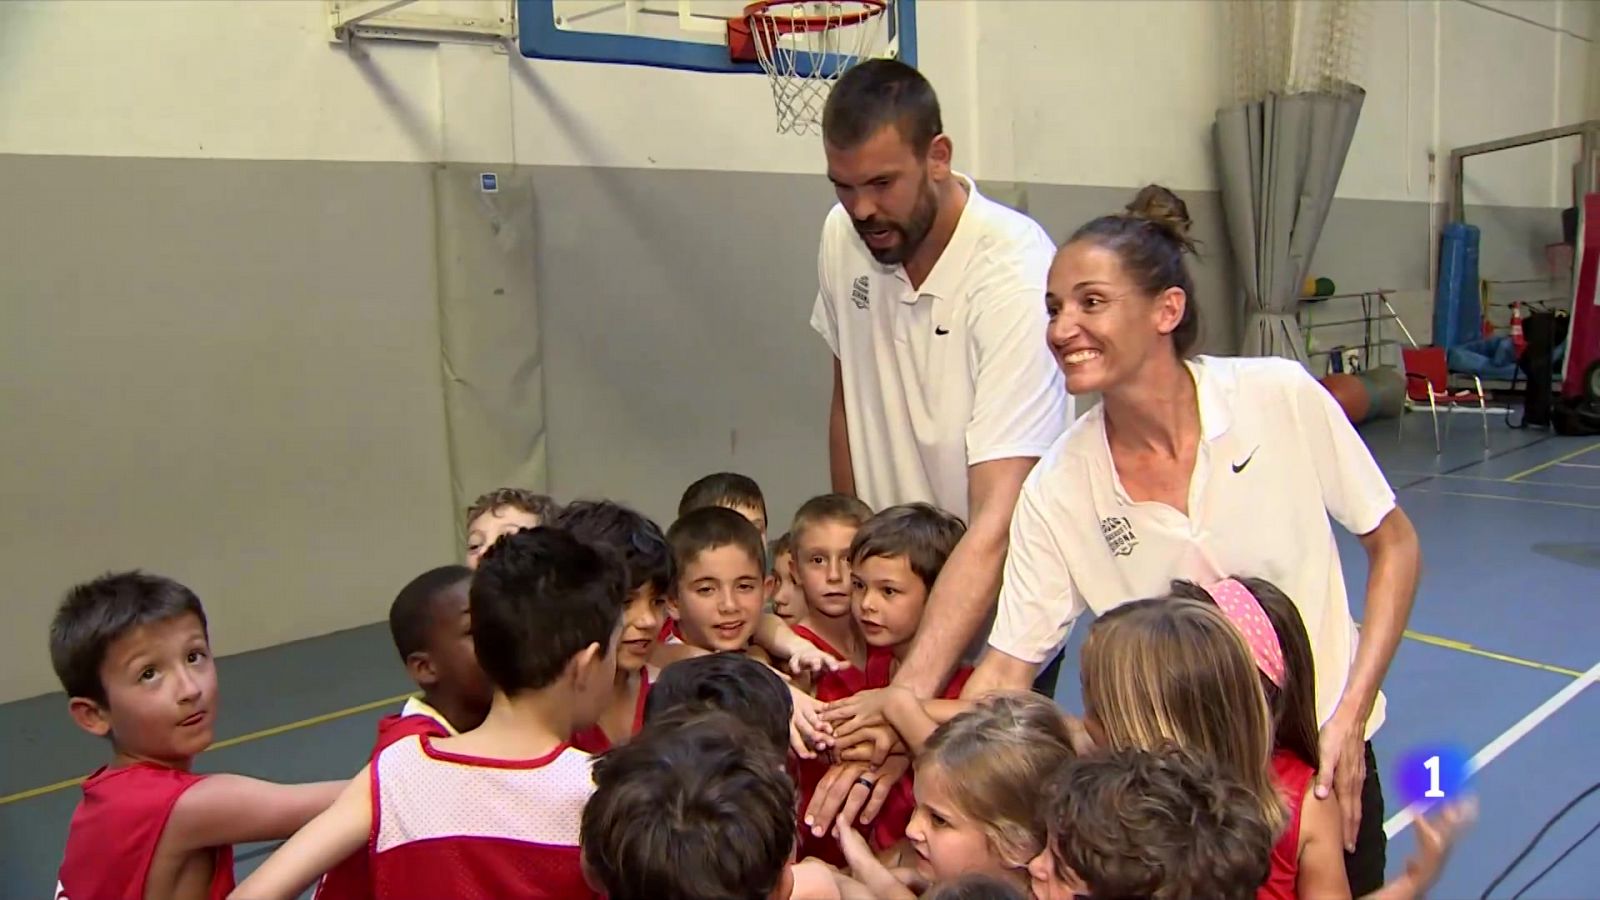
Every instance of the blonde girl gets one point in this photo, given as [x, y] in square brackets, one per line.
[978, 781]
[1176, 671]
[1308, 860]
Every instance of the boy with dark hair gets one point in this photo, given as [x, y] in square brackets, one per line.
[431, 623]
[648, 559]
[501, 512]
[718, 559]
[1164, 826]
[729, 490]
[700, 810]
[1136, 825]
[730, 682]
[716, 605]
[133, 653]
[475, 815]
[721, 583]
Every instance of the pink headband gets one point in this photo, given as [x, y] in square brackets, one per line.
[1244, 611]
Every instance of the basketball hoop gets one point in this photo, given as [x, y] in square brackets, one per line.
[804, 46]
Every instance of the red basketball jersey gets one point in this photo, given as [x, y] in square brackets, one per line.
[449, 825]
[890, 824]
[352, 878]
[594, 740]
[115, 829]
[816, 641]
[1293, 777]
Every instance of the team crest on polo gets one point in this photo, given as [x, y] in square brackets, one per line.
[861, 292]
[1119, 535]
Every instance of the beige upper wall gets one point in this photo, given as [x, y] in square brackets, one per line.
[223, 372]
[1055, 91]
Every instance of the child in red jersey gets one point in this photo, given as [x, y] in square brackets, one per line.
[769, 632]
[893, 560]
[717, 597]
[648, 558]
[432, 629]
[823, 530]
[495, 811]
[134, 656]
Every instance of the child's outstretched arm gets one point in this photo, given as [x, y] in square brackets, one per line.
[776, 637]
[914, 719]
[339, 831]
[808, 873]
[232, 809]
[864, 865]
[1436, 835]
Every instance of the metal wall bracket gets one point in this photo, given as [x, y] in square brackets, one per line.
[388, 20]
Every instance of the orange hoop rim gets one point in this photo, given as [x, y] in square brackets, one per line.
[757, 11]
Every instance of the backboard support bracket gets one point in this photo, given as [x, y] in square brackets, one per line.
[389, 20]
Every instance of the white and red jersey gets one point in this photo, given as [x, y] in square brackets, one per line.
[115, 831]
[352, 878]
[465, 827]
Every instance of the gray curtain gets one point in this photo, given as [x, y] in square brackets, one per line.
[1279, 161]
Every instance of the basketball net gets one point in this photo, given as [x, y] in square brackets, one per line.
[805, 46]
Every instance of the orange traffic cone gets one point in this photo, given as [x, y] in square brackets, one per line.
[1518, 342]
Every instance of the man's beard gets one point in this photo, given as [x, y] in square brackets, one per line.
[912, 233]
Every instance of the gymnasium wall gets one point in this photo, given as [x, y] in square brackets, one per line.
[233, 253]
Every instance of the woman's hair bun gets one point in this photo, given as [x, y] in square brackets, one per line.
[1164, 210]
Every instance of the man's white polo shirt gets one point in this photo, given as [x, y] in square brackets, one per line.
[950, 374]
[1277, 457]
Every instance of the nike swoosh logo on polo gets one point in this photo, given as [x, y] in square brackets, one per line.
[1239, 466]
[940, 330]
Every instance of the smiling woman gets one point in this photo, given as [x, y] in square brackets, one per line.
[1197, 469]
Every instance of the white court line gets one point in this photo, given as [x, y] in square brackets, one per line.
[1400, 820]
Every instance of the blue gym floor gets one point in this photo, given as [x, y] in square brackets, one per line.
[1508, 615]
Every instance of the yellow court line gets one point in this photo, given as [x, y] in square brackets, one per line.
[1554, 462]
[1465, 647]
[1504, 498]
[230, 742]
[1554, 484]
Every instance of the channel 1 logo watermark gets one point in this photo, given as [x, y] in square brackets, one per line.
[1432, 773]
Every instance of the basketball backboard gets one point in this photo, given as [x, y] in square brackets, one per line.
[673, 34]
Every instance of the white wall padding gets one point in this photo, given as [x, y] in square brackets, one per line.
[493, 367]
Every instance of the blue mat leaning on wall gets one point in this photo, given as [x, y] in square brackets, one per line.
[1457, 316]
